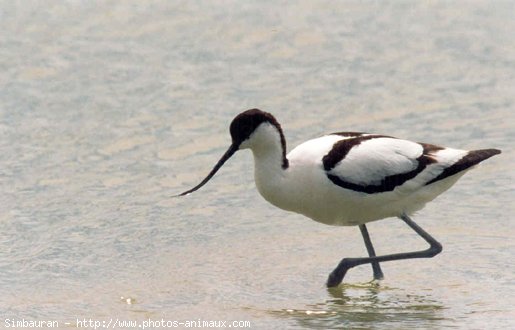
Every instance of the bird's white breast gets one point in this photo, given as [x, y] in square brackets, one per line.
[305, 187]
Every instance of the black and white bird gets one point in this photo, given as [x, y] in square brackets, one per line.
[349, 179]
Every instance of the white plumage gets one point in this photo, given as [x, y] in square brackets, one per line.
[372, 160]
[305, 188]
[348, 178]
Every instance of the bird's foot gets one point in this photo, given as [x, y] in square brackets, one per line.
[337, 275]
[378, 276]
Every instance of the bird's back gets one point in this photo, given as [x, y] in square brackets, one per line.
[357, 177]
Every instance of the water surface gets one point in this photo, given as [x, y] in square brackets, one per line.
[108, 108]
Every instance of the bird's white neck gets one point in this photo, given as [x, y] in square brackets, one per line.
[270, 163]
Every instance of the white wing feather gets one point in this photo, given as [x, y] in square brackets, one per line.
[372, 160]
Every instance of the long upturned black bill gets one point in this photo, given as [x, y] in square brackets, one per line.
[232, 149]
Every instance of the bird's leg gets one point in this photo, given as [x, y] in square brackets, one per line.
[336, 276]
[378, 273]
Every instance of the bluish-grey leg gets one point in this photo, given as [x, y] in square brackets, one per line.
[337, 275]
[378, 273]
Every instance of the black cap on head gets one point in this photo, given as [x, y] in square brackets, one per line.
[246, 122]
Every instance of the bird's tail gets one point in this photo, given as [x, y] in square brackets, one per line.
[470, 159]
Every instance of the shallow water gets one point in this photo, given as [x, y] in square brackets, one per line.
[109, 108]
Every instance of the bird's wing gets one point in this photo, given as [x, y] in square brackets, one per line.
[376, 164]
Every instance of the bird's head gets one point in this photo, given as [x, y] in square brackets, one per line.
[247, 129]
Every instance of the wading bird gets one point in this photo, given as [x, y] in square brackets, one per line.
[349, 179]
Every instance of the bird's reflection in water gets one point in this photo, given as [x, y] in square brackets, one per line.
[367, 304]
